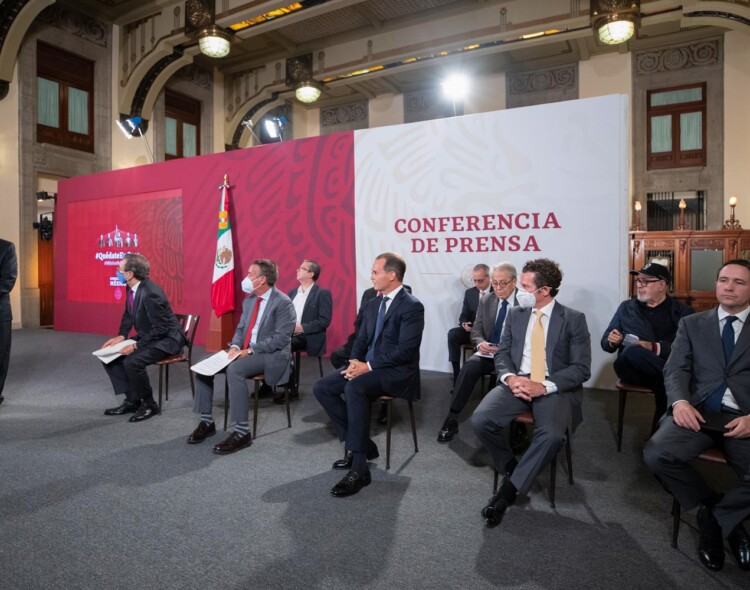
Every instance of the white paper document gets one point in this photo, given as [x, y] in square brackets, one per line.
[213, 364]
[110, 353]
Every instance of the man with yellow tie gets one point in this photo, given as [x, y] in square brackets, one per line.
[543, 359]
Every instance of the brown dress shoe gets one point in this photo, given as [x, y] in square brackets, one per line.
[233, 443]
[201, 433]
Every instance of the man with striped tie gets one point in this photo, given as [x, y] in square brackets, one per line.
[707, 379]
[485, 337]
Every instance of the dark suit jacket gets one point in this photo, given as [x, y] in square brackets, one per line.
[630, 318]
[397, 347]
[568, 348]
[484, 322]
[469, 306]
[274, 334]
[8, 275]
[154, 321]
[697, 367]
[316, 317]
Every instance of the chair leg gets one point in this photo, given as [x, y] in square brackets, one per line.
[226, 403]
[552, 480]
[495, 481]
[620, 416]
[388, 438]
[297, 370]
[569, 457]
[161, 372]
[192, 379]
[413, 426]
[286, 403]
[320, 365]
[676, 511]
[256, 398]
[166, 383]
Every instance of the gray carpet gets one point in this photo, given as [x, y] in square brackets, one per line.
[88, 501]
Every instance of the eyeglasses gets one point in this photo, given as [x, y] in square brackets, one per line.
[644, 282]
[303, 268]
[501, 284]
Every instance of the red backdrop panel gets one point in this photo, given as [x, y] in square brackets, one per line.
[289, 201]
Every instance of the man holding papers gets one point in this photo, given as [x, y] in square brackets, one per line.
[158, 336]
[261, 344]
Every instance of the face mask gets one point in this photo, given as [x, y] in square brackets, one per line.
[526, 299]
[247, 285]
[121, 276]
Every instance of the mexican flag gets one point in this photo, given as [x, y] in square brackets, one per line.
[222, 287]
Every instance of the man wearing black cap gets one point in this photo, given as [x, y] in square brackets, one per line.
[642, 332]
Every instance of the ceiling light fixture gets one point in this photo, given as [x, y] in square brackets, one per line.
[307, 92]
[614, 21]
[214, 42]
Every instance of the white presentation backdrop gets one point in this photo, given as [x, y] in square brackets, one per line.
[546, 181]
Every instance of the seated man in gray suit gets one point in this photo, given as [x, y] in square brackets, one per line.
[485, 336]
[313, 307]
[543, 359]
[261, 344]
[707, 378]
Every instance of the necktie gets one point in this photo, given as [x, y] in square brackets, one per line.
[538, 355]
[130, 300]
[713, 401]
[498, 329]
[378, 329]
[251, 324]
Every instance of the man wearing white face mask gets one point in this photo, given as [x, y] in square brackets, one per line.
[542, 361]
[261, 344]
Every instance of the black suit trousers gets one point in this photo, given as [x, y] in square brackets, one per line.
[350, 414]
[472, 370]
[129, 376]
[457, 337]
[5, 336]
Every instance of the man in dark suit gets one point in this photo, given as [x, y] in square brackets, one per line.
[384, 361]
[313, 306]
[707, 378]
[460, 335]
[8, 274]
[261, 344]
[543, 359]
[642, 331]
[158, 336]
[485, 336]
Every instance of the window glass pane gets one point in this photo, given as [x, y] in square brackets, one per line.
[661, 134]
[691, 131]
[659, 99]
[188, 140]
[47, 103]
[171, 136]
[78, 111]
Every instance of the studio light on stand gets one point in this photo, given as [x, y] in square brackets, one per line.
[130, 126]
[250, 126]
[455, 89]
[275, 128]
[732, 222]
[614, 21]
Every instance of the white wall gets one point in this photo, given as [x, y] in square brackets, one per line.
[386, 109]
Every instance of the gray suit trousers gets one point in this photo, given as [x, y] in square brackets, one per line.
[552, 416]
[237, 373]
[668, 454]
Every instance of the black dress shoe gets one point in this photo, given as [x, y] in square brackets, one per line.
[739, 543]
[278, 397]
[146, 411]
[346, 462]
[710, 542]
[383, 414]
[448, 431]
[201, 433]
[234, 442]
[125, 407]
[351, 484]
[494, 511]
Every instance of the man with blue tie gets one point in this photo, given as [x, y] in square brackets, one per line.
[384, 361]
[485, 336]
[707, 379]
